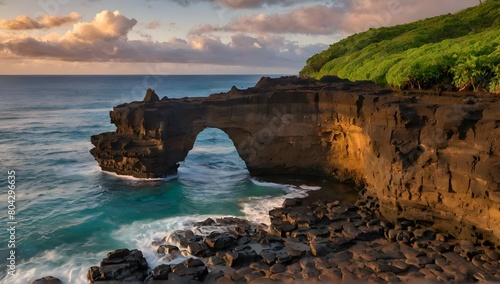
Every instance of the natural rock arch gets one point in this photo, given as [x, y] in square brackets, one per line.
[411, 150]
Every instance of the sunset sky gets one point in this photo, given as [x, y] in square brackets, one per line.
[188, 36]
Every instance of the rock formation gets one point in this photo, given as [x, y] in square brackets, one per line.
[426, 156]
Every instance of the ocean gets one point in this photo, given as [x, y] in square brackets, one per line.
[69, 214]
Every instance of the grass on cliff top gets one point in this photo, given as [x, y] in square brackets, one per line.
[461, 49]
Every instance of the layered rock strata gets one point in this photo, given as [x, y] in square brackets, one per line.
[432, 157]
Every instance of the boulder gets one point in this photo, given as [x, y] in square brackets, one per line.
[121, 265]
[191, 269]
[219, 241]
[161, 272]
[47, 280]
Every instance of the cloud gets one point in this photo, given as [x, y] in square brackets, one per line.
[311, 20]
[246, 4]
[45, 22]
[345, 17]
[106, 26]
[153, 25]
[105, 39]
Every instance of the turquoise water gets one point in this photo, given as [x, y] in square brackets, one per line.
[70, 213]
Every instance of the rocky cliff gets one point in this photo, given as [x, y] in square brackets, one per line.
[428, 157]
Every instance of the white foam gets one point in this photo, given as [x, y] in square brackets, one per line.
[131, 178]
[308, 187]
[141, 234]
[212, 150]
[56, 263]
[256, 209]
[269, 184]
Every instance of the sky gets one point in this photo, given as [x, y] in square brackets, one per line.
[188, 36]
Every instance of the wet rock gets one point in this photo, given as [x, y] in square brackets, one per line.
[205, 223]
[168, 249]
[122, 264]
[198, 249]
[219, 241]
[291, 202]
[47, 280]
[193, 262]
[161, 272]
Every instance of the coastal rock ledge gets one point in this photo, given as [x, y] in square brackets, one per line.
[427, 156]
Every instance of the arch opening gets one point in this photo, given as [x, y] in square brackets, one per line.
[213, 160]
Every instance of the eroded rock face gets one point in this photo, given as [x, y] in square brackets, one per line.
[426, 157]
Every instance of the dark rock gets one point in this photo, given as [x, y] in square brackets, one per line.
[282, 257]
[306, 220]
[47, 280]
[122, 264]
[319, 248]
[151, 96]
[424, 234]
[291, 202]
[193, 262]
[94, 274]
[239, 258]
[310, 273]
[317, 233]
[168, 249]
[205, 223]
[192, 269]
[215, 260]
[283, 228]
[277, 268]
[161, 272]
[268, 257]
[404, 237]
[253, 277]
[219, 241]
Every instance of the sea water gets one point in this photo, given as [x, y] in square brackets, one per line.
[70, 214]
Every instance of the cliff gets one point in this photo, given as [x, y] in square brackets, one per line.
[426, 157]
[457, 51]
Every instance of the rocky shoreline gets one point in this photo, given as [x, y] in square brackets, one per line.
[308, 241]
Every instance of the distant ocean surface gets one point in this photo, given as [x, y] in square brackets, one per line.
[70, 214]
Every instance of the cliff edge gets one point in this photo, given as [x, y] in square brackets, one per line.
[428, 157]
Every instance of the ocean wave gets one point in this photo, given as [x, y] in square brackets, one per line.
[256, 209]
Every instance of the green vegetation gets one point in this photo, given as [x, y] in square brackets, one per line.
[461, 49]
